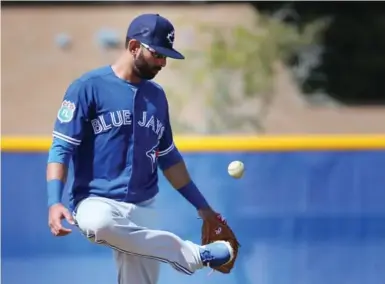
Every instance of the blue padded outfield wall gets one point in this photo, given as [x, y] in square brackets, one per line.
[302, 218]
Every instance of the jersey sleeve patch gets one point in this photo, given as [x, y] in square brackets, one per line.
[66, 111]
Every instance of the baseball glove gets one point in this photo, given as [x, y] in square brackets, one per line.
[212, 233]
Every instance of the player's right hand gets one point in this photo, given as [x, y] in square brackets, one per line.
[57, 213]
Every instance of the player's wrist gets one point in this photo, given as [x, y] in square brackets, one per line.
[55, 189]
[192, 194]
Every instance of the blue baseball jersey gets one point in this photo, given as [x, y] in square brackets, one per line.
[116, 134]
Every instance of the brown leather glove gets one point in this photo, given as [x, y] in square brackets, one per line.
[220, 231]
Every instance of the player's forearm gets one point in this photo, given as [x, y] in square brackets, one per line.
[57, 171]
[177, 175]
[56, 178]
[179, 178]
[57, 168]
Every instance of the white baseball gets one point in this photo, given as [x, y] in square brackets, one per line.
[236, 169]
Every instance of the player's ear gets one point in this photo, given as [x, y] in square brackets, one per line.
[133, 46]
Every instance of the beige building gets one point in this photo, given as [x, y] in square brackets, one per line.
[36, 72]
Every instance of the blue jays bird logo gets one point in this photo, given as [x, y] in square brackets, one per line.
[153, 154]
[171, 37]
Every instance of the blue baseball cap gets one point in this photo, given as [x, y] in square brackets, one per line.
[155, 32]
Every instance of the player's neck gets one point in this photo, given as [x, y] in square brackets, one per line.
[123, 70]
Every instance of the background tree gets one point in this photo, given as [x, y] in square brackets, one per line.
[237, 72]
[352, 62]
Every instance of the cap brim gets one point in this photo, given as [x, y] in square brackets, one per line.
[169, 52]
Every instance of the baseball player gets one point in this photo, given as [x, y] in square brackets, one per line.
[113, 125]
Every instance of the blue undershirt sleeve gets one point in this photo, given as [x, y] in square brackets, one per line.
[67, 133]
[60, 152]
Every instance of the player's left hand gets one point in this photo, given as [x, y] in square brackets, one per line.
[215, 228]
[209, 215]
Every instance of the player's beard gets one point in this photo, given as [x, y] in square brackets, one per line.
[143, 69]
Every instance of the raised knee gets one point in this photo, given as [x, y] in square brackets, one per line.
[95, 220]
[96, 226]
